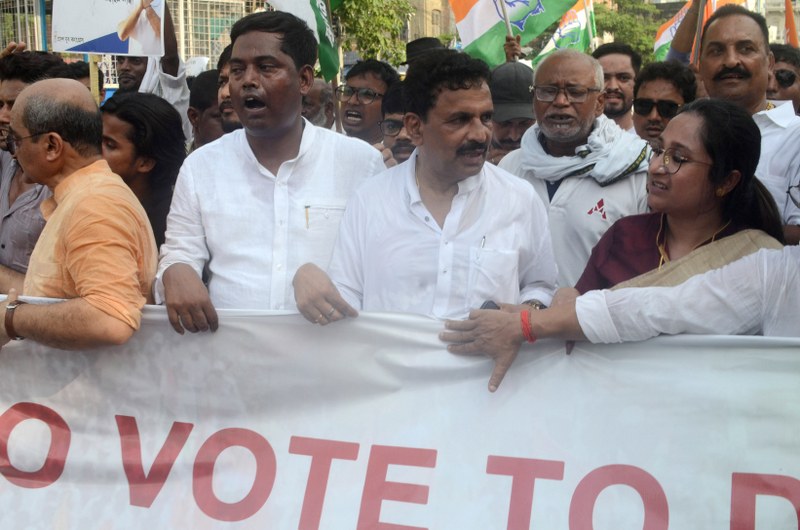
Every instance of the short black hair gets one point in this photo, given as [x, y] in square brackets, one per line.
[786, 54]
[732, 9]
[394, 100]
[203, 93]
[439, 70]
[28, 66]
[297, 39]
[81, 127]
[224, 57]
[680, 75]
[622, 49]
[76, 70]
[157, 132]
[379, 69]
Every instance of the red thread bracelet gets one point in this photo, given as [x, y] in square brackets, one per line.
[527, 331]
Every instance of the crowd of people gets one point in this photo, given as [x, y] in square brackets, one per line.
[523, 193]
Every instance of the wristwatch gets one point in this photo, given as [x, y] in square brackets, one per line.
[9, 320]
[534, 304]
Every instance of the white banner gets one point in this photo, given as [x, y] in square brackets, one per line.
[120, 27]
[370, 424]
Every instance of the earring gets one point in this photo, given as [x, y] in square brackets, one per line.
[720, 192]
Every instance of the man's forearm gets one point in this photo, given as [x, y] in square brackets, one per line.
[10, 279]
[560, 321]
[70, 325]
[125, 27]
[154, 20]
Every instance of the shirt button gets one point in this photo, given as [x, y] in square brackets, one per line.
[278, 266]
[427, 218]
[444, 271]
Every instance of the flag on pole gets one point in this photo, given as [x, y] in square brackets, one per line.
[315, 14]
[791, 28]
[667, 31]
[575, 31]
[482, 27]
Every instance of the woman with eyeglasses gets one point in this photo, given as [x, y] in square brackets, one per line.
[707, 206]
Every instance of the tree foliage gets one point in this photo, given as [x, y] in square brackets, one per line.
[630, 21]
[375, 27]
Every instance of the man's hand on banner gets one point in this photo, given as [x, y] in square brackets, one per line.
[317, 298]
[496, 334]
[189, 306]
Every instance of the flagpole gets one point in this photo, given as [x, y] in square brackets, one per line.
[505, 18]
[337, 119]
[589, 23]
[698, 34]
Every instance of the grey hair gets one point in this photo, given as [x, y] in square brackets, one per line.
[81, 127]
[564, 54]
[325, 95]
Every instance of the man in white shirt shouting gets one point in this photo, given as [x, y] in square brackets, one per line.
[254, 205]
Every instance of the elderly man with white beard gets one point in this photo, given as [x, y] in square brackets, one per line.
[586, 169]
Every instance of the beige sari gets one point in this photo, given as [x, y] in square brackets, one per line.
[708, 257]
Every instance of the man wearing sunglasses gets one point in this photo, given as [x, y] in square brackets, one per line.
[784, 83]
[735, 63]
[660, 91]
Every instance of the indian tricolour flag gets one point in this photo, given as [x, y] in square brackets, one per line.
[315, 14]
[667, 31]
[483, 29]
[575, 31]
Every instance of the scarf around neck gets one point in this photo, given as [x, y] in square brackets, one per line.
[610, 154]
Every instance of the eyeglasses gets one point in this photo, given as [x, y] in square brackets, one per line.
[671, 162]
[666, 109]
[785, 78]
[365, 96]
[794, 194]
[12, 142]
[391, 127]
[574, 94]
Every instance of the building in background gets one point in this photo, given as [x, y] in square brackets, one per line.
[432, 18]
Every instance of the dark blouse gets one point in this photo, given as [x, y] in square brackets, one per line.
[626, 250]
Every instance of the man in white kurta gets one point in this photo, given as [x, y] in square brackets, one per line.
[253, 228]
[494, 245]
[442, 232]
[253, 205]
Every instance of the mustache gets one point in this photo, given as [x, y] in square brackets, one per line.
[472, 146]
[735, 70]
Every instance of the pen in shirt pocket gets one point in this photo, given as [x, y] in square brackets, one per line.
[307, 207]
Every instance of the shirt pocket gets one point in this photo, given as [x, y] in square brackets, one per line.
[320, 228]
[493, 275]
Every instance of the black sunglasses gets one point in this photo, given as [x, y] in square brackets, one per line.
[666, 109]
[785, 78]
